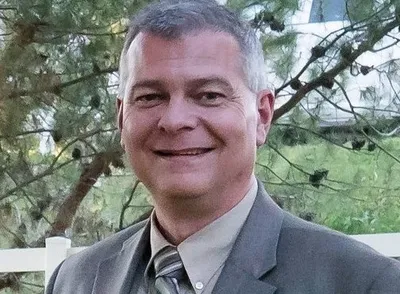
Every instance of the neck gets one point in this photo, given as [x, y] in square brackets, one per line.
[178, 218]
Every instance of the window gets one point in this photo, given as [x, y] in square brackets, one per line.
[328, 10]
[339, 10]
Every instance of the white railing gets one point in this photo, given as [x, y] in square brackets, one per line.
[37, 259]
[58, 248]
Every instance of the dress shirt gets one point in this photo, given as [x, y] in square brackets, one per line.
[204, 253]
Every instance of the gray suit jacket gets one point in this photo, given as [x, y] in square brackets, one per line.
[275, 253]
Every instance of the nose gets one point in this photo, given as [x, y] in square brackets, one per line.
[178, 115]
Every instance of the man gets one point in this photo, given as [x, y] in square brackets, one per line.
[193, 107]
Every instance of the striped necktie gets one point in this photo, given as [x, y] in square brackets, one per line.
[169, 271]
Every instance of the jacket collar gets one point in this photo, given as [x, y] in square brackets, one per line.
[254, 253]
[114, 275]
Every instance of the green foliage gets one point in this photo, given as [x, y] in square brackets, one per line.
[356, 14]
[280, 52]
[359, 195]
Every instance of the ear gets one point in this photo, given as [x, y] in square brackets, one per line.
[119, 106]
[120, 115]
[265, 107]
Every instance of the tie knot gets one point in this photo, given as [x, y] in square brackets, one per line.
[168, 263]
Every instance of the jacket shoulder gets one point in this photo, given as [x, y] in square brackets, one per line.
[82, 267]
[336, 260]
[104, 248]
[327, 243]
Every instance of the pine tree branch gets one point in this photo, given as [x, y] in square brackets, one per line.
[275, 174]
[377, 109]
[345, 30]
[88, 178]
[27, 196]
[16, 237]
[305, 184]
[297, 167]
[56, 87]
[126, 205]
[314, 133]
[392, 87]
[142, 217]
[288, 161]
[52, 168]
[381, 148]
[309, 62]
[32, 284]
[46, 173]
[385, 47]
[336, 70]
[38, 131]
[9, 280]
[7, 7]
[355, 113]
[94, 34]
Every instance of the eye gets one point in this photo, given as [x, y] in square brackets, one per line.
[211, 97]
[148, 100]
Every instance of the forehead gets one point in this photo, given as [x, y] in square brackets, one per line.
[194, 54]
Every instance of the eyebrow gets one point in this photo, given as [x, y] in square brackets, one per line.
[193, 83]
[152, 84]
[212, 80]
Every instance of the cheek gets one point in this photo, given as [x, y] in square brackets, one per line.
[246, 125]
[252, 121]
[134, 129]
[235, 130]
[252, 130]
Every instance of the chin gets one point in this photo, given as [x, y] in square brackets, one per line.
[182, 187]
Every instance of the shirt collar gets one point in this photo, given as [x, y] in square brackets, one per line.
[204, 252]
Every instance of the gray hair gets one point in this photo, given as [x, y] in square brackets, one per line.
[170, 19]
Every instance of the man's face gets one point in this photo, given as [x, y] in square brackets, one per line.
[189, 124]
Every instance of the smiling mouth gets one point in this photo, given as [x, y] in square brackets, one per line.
[184, 152]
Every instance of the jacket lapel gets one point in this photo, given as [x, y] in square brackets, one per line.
[254, 252]
[115, 274]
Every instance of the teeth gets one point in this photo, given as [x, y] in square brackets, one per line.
[183, 153]
[187, 153]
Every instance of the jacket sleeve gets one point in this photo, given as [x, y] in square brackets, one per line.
[50, 285]
[388, 281]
